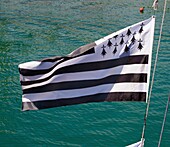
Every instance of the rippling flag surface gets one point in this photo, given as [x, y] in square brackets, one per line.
[114, 68]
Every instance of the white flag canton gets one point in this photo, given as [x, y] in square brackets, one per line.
[114, 68]
[134, 40]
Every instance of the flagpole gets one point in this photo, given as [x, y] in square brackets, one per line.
[153, 74]
[164, 121]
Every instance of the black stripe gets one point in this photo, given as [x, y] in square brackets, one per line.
[29, 72]
[83, 50]
[138, 59]
[142, 78]
[115, 96]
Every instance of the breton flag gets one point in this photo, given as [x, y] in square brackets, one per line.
[114, 68]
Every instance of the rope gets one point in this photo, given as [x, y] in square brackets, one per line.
[163, 122]
[153, 74]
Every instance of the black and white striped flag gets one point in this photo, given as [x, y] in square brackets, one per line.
[114, 68]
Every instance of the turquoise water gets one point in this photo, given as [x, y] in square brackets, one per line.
[36, 29]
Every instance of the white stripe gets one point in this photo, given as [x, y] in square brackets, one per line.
[118, 87]
[92, 75]
[25, 99]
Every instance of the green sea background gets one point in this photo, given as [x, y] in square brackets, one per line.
[36, 29]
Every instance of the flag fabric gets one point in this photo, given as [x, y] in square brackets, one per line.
[114, 68]
[137, 144]
[155, 5]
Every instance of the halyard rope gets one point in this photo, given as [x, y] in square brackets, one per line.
[160, 138]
